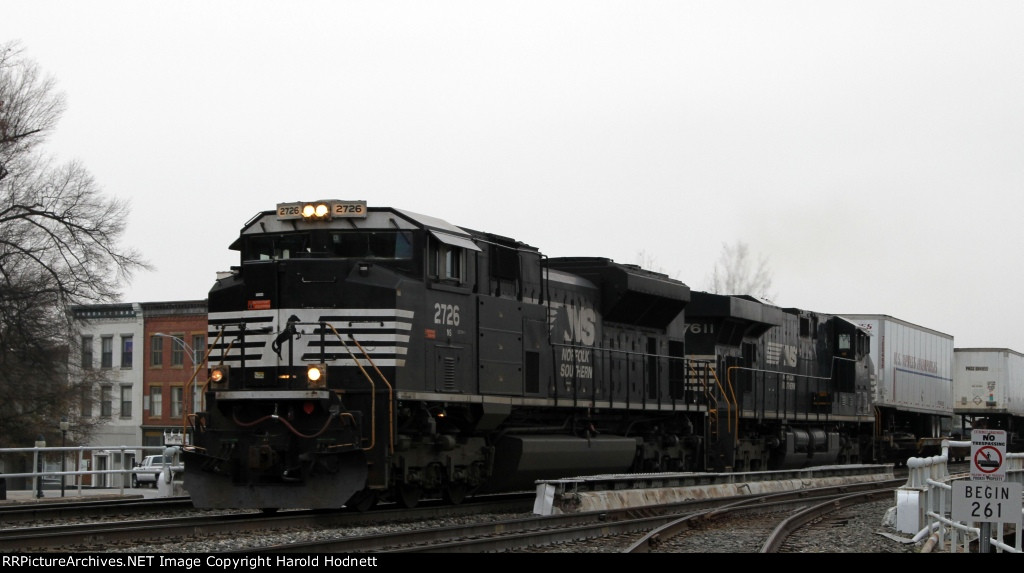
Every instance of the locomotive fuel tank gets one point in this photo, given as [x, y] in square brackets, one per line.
[521, 460]
[806, 447]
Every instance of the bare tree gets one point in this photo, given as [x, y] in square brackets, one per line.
[59, 240]
[29, 107]
[647, 261]
[737, 273]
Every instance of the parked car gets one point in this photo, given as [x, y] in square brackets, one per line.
[148, 472]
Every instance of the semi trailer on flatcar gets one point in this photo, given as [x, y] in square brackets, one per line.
[911, 387]
[988, 391]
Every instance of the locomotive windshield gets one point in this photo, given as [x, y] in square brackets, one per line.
[347, 244]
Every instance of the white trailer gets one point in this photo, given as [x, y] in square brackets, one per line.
[912, 389]
[988, 388]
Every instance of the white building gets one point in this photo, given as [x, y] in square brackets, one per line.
[110, 336]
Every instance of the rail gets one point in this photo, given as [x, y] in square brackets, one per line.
[924, 505]
[170, 473]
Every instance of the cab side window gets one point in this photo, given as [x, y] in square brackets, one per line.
[447, 262]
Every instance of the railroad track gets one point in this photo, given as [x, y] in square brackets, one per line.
[485, 527]
[16, 513]
[623, 529]
[96, 536]
[762, 525]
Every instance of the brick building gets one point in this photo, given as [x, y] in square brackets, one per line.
[175, 345]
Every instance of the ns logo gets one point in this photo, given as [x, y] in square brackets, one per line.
[578, 324]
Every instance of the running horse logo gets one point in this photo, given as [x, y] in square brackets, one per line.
[287, 334]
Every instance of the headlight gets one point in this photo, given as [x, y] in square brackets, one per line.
[316, 375]
[219, 376]
[316, 211]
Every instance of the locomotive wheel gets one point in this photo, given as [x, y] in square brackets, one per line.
[455, 493]
[362, 500]
[408, 495]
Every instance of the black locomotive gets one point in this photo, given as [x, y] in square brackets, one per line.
[363, 353]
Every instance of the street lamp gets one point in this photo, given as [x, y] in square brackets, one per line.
[195, 365]
[40, 443]
[64, 425]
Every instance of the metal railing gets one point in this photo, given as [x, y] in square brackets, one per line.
[41, 473]
[924, 505]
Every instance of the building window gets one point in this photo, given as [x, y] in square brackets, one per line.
[107, 352]
[199, 347]
[87, 352]
[106, 406]
[176, 401]
[86, 402]
[156, 401]
[126, 401]
[156, 351]
[177, 351]
[127, 345]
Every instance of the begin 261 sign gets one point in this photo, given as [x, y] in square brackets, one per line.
[987, 501]
[986, 497]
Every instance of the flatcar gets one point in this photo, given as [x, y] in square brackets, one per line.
[359, 354]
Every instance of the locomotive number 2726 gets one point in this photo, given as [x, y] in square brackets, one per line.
[447, 314]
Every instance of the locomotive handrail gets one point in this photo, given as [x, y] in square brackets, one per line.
[391, 392]
[808, 377]
[735, 400]
[607, 353]
[189, 391]
[709, 395]
[373, 390]
[206, 358]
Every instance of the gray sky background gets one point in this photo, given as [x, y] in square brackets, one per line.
[871, 151]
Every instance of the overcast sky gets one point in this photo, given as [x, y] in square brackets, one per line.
[871, 151]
